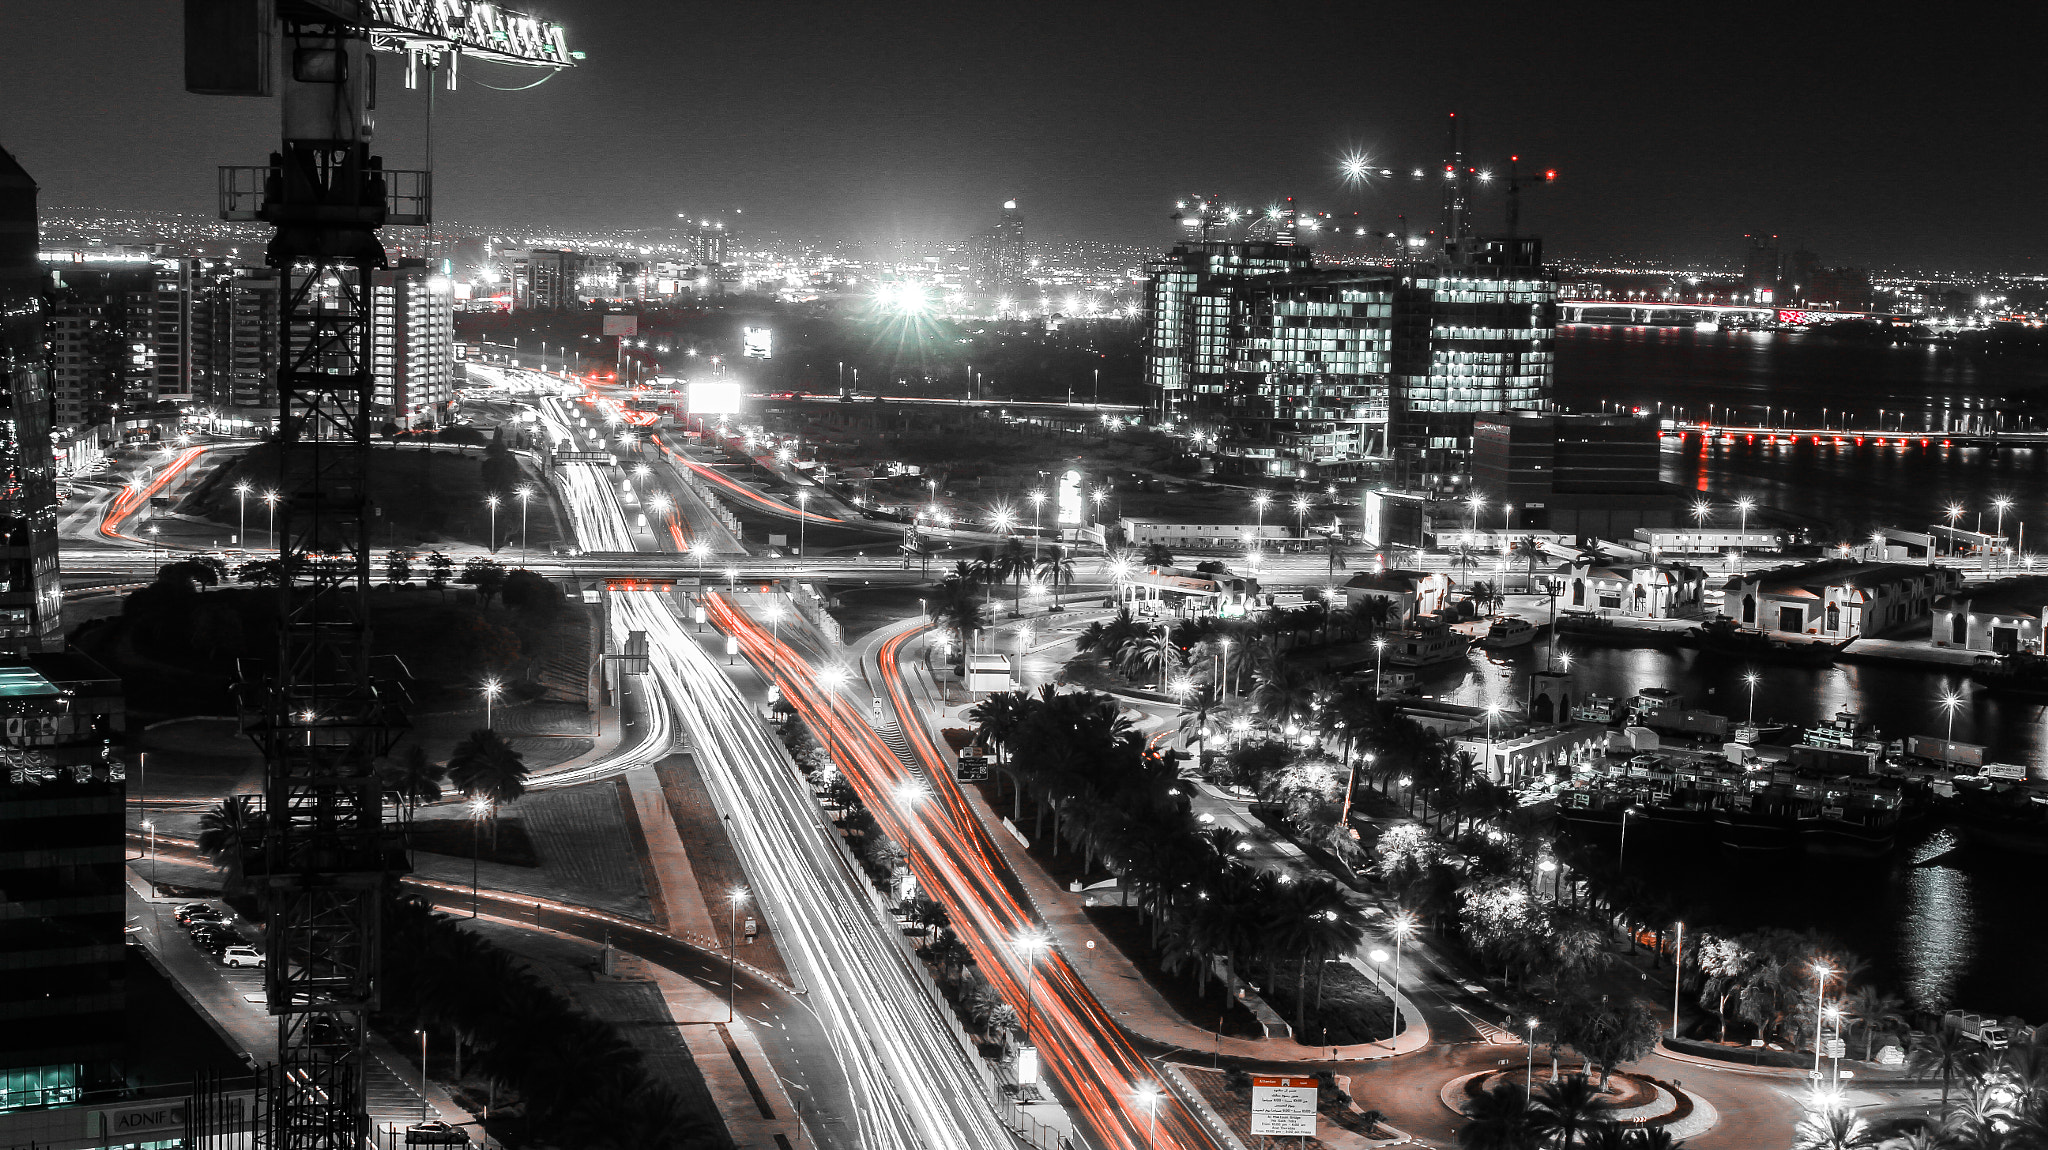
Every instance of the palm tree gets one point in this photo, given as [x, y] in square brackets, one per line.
[1833, 1129]
[1157, 555]
[412, 779]
[1500, 1119]
[1057, 569]
[484, 765]
[1875, 1011]
[1565, 1108]
[227, 833]
[1946, 1052]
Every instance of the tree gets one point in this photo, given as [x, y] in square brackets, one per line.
[486, 575]
[527, 591]
[1607, 1032]
[484, 765]
[501, 474]
[1875, 1012]
[1157, 555]
[189, 575]
[398, 567]
[1833, 1129]
[1564, 1109]
[1723, 963]
[1943, 1051]
[440, 571]
[412, 779]
[264, 572]
[227, 833]
[1499, 1119]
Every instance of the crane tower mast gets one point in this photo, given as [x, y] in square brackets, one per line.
[321, 717]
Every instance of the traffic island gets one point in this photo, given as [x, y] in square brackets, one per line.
[1342, 1121]
[1630, 1100]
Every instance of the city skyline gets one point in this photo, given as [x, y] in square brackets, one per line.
[919, 127]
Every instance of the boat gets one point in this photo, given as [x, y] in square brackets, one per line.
[1509, 631]
[1594, 629]
[1596, 708]
[1426, 645]
[1724, 637]
[1706, 325]
[2018, 673]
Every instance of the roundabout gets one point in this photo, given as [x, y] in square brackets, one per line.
[1631, 1100]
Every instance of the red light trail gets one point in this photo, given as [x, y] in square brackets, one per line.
[957, 862]
[132, 498]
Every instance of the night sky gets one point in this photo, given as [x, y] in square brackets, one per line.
[1900, 143]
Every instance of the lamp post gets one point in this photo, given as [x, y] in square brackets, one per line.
[1037, 502]
[1742, 542]
[1677, 968]
[491, 687]
[1301, 516]
[1821, 971]
[242, 511]
[1259, 501]
[492, 500]
[803, 519]
[1700, 511]
[2001, 503]
[423, 1074]
[155, 558]
[1031, 944]
[1149, 1095]
[732, 942]
[1095, 496]
[1950, 702]
[1223, 667]
[270, 500]
[1379, 651]
[1529, 1072]
[1621, 860]
[1955, 513]
[1751, 679]
[525, 494]
[479, 810]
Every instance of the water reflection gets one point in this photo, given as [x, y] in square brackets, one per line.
[1937, 945]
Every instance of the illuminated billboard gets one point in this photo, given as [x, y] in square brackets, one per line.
[755, 342]
[622, 325]
[714, 397]
[1070, 499]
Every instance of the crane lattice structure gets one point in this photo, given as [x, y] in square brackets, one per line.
[321, 717]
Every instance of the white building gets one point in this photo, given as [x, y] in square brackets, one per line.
[413, 342]
[1200, 536]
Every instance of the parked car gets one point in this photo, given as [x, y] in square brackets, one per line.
[185, 913]
[435, 1134]
[213, 939]
[241, 955]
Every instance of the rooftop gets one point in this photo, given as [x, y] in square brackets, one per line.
[1815, 578]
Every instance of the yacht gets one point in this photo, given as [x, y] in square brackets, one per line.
[1509, 631]
[1427, 644]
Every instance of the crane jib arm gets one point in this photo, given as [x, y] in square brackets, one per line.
[472, 28]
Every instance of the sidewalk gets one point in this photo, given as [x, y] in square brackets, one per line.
[1138, 1008]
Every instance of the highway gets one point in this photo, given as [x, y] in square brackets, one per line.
[1107, 1082]
[914, 1084]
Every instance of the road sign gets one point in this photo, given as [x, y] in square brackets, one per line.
[1284, 1106]
[1837, 1048]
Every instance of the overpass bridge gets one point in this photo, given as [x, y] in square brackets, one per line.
[1845, 437]
[1649, 311]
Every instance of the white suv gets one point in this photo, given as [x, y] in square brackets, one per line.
[241, 956]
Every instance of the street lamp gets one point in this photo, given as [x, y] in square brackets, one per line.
[270, 499]
[1742, 542]
[1529, 1072]
[735, 900]
[242, 509]
[1950, 702]
[1475, 503]
[1031, 944]
[1955, 512]
[1821, 971]
[1379, 650]
[479, 810]
[1751, 678]
[1700, 511]
[491, 687]
[493, 501]
[1149, 1095]
[1259, 501]
[1301, 515]
[803, 519]
[2001, 503]
[525, 494]
[1037, 502]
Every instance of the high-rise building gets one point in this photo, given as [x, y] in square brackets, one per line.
[1593, 475]
[181, 331]
[243, 346]
[1329, 373]
[31, 597]
[999, 255]
[1195, 298]
[1760, 269]
[546, 279]
[1470, 337]
[413, 342]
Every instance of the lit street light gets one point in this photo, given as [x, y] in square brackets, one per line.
[735, 900]
[270, 499]
[1950, 702]
[1031, 944]
[1742, 543]
[1259, 501]
[491, 687]
[1751, 679]
[2001, 504]
[525, 494]
[242, 510]
[479, 810]
[803, 519]
[493, 501]
[1037, 502]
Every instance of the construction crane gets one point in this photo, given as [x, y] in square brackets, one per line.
[319, 714]
[1459, 180]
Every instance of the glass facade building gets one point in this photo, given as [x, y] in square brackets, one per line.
[31, 597]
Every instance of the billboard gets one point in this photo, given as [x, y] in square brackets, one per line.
[1283, 1106]
[622, 325]
[714, 397]
[1070, 499]
[755, 342]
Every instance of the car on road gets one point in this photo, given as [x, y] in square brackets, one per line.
[214, 940]
[184, 913]
[435, 1134]
[241, 955]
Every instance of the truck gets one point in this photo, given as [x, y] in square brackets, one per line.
[1988, 1031]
